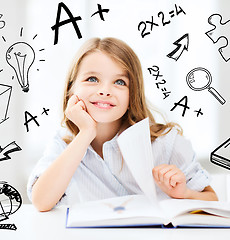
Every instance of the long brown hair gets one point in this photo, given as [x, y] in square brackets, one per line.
[125, 56]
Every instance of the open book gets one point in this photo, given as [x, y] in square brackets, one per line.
[142, 210]
[139, 211]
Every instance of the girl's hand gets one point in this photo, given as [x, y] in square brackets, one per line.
[77, 113]
[171, 180]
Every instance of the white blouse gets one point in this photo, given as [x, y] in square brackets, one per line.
[96, 178]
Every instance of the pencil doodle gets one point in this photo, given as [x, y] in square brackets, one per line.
[8, 149]
[2, 23]
[220, 30]
[10, 202]
[5, 94]
[221, 155]
[182, 44]
[199, 79]
[20, 56]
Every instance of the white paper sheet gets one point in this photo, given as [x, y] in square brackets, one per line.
[135, 146]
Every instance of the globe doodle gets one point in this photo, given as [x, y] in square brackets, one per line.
[10, 200]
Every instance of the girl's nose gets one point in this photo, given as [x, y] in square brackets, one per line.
[104, 94]
[104, 90]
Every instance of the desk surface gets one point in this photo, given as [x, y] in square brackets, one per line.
[32, 224]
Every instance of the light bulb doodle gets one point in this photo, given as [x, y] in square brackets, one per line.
[10, 202]
[20, 56]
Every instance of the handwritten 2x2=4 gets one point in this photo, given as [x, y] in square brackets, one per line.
[163, 19]
[155, 72]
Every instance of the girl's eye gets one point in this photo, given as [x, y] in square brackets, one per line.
[92, 79]
[120, 82]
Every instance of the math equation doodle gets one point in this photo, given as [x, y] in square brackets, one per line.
[162, 19]
[10, 202]
[160, 84]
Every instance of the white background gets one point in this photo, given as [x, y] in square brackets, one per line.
[206, 132]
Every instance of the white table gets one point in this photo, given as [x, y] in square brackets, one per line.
[33, 225]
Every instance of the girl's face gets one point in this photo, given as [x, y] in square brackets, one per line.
[104, 87]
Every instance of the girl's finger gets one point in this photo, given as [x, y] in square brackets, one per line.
[156, 171]
[82, 105]
[168, 176]
[72, 101]
[164, 170]
[177, 178]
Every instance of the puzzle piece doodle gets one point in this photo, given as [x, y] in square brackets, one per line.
[220, 30]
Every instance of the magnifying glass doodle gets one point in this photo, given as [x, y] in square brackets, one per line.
[199, 79]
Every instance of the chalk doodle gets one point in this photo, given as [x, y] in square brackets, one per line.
[10, 202]
[182, 44]
[2, 23]
[8, 149]
[33, 118]
[221, 155]
[72, 20]
[220, 30]
[5, 94]
[20, 56]
[184, 104]
[162, 20]
[155, 72]
[199, 79]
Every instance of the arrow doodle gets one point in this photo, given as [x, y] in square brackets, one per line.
[10, 148]
[182, 44]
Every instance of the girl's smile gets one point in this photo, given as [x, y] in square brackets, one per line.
[103, 85]
[103, 105]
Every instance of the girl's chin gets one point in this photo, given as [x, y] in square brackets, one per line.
[104, 119]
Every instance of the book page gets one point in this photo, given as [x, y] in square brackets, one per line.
[175, 207]
[228, 187]
[126, 210]
[135, 146]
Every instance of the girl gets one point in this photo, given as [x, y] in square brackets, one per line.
[104, 95]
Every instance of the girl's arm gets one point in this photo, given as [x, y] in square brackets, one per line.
[51, 185]
[172, 181]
